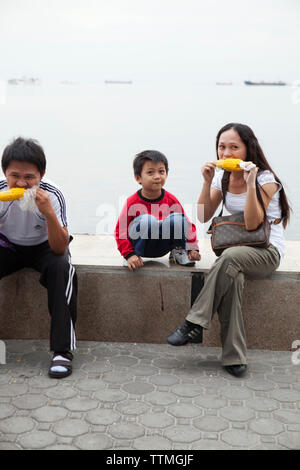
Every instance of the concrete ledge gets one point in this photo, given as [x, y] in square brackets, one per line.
[117, 305]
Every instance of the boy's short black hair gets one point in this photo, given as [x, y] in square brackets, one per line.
[24, 150]
[152, 155]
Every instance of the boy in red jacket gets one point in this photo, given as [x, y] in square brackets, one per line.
[152, 221]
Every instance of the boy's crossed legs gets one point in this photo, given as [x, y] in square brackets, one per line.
[153, 238]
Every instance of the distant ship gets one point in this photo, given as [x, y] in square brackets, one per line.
[279, 83]
[224, 83]
[24, 81]
[118, 82]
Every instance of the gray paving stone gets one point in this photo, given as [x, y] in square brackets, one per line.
[37, 358]
[189, 372]
[29, 401]
[210, 444]
[111, 396]
[236, 393]
[41, 381]
[81, 404]
[144, 370]
[37, 440]
[16, 425]
[50, 414]
[126, 430]
[262, 404]
[136, 388]
[132, 407]
[212, 383]
[94, 441]
[167, 363]
[13, 390]
[156, 420]
[256, 384]
[125, 361]
[287, 416]
[61, 447]
[9, 446]
[152, 443]
[90, 385]
[187, 390]
[285, 395]
[102, 416]
[210, 401]
[117, 377]
[237, 413]
[71, 427]
[104, 351]
[6, 410]
[290, 440]
[182, 434]
[211, 423]
[282, 378]
[98, 367]
[161, 398]
[184, 410]
[164, 379]
[266, 426]
[240, 439]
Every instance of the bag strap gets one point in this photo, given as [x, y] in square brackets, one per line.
[224, 187]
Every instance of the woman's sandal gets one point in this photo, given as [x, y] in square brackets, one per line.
[64, 363]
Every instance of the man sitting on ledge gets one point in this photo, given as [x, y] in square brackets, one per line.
[36, 236]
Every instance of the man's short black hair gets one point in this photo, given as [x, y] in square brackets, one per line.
[24, 150]
[152, 155]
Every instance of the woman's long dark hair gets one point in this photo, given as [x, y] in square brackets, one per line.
[256, 155]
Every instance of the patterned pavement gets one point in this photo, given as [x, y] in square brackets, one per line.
[131, 396]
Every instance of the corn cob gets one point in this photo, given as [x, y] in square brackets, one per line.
[229, 164]
[12, 194]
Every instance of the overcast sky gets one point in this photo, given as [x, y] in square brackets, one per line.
[150, 39]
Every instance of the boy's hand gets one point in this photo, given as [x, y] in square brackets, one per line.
[194, 255]
[135, 262]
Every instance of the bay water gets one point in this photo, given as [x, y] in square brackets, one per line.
[91, 132]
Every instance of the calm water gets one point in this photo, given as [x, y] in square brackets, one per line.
[91, 132]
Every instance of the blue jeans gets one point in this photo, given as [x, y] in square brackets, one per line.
[153, 238]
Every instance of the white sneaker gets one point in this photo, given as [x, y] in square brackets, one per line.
[180, 256]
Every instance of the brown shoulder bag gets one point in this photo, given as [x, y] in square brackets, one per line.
[230, 230]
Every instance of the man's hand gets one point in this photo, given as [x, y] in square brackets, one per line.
[194, 255]
[135, 262]
[43, 202]
[58, 236]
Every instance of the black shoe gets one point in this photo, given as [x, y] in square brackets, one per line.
[236, 370]
[187, 333]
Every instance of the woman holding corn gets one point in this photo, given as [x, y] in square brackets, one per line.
[259, 194]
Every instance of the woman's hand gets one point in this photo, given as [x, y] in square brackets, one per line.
[250, 176]
[208, 171]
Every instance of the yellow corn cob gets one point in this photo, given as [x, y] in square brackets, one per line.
[12, 194]
[229, 164]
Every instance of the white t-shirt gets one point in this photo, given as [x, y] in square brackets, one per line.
[27, 227]
[236, 202]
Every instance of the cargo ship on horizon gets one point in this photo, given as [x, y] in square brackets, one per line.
[279, 83]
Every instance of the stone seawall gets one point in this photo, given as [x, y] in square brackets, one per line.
[145, 306]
